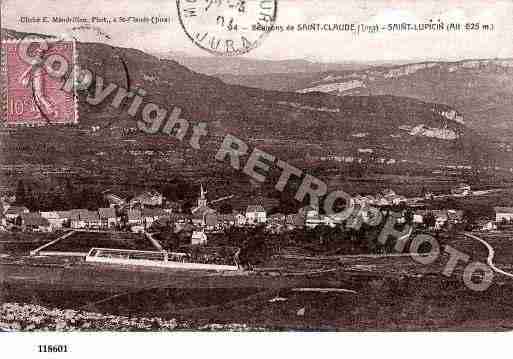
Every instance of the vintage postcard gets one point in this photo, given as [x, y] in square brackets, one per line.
[256, 165]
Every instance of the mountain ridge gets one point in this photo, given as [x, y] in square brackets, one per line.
[480, 89]
[300, 127]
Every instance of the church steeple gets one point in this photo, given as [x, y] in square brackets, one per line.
[202, 200]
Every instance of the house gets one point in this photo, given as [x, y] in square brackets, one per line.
[77, 218]
[137, 228]
[83, 218]
[277, 218]
[198, 238]
[362, 199]
[256, 214]
[148, 199]
[65, 217]
[381, 200]
[7, 199]
[227, 220]
[180, 218]
[314, 221]
[355, 219]
[293, 221]
[418, 218]
[163, 222]
[34, 222]
[487, 226]
[114, 200]
[503, 214]
[275, 227]
[396, 199]
[173, 206]
[57, 219]
[312, 217]
[454, 216]
[429, 196]
[14, 212]
[240, 219]
[329, 221]
[420, 215]
[108, 217]
[447, 216]
[211, 220]
[440, 218]
[3, 220]
[91, 219]
[150, 215]
[134, 217]
[461, 190]
[4, 204]
[308, 211]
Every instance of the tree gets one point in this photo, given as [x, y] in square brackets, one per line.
[470, 218]
[69, 191]
[429, 220]
[21, 196]
[226, 208]
[169, 240]
[408, 215]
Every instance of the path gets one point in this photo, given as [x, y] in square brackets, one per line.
[153, 241]
[37, 250]
[491, 255]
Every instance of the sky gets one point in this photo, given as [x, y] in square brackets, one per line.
[314, 46]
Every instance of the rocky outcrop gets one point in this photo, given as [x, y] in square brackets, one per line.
[433, 132]
[338, 87]
[450, 114]
[31, 317]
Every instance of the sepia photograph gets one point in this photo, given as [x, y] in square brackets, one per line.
[192, 166]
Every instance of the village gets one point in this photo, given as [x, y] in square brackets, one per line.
[150, 211]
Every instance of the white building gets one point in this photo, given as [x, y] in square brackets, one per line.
[489, 226]
[461, 190]
[57, 219]
[256, 214]
[134, 217]
[14, 212]
[148, 199]
[503, 214]
[198, 238]
[240, 219]
[108, 217]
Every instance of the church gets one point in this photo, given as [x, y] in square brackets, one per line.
[202, 214]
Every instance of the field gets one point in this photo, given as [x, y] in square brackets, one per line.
[373, 292]
[83, 241]
[502, 242]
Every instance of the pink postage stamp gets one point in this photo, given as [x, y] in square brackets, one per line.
[34, 73]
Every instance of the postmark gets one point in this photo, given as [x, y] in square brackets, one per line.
[33, 74]
[227, 27]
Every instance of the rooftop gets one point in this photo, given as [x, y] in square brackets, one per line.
[255, 208]
[503, 209]
[107, 212]
[34, 219]
[16, 210]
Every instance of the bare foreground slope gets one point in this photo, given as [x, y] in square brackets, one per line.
[375, 293]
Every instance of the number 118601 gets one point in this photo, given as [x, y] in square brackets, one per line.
[52, 348]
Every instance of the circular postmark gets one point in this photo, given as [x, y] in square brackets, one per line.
[227, 27]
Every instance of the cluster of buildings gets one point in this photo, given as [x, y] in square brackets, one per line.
[150, 208]
[21, 217]
[139, 214]
[385, 198]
